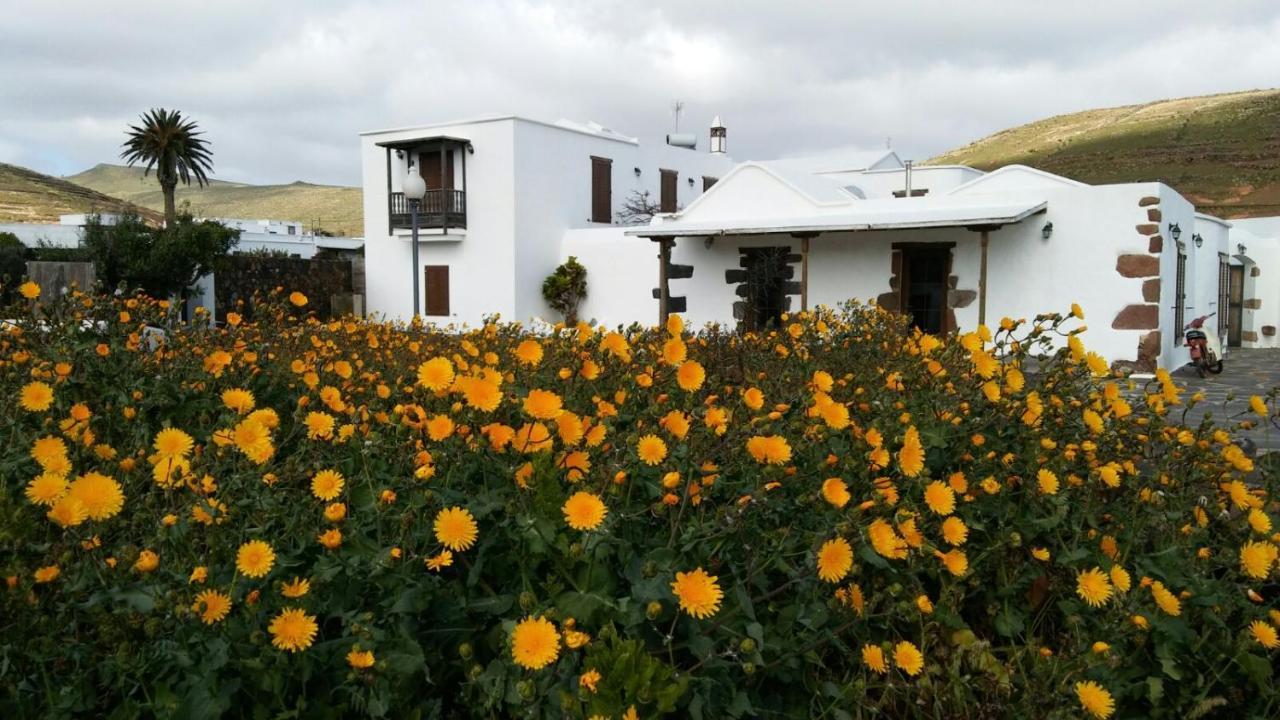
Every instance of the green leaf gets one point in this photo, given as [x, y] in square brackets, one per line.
[1009, 622]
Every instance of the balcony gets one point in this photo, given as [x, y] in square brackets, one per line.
[441, 209]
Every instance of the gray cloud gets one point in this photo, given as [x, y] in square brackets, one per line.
[283, 86]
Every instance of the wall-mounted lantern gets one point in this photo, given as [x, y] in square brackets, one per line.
[1046, 231]
[1240, 249]
[1198, 239]
[690, 182]
[637, 172]
[1175, 231]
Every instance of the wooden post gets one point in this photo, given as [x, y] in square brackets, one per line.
[804, 273]
[982, 281]
[664, 260]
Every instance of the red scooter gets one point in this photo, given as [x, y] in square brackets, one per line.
[1206, 350]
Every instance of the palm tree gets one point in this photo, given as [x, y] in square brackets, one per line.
[171, 145]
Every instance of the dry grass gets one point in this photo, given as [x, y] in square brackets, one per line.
[28, 196]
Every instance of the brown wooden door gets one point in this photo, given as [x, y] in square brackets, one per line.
[429, 168]
[1235, 306]
[601, 190]
[667, 202]
[437, 287]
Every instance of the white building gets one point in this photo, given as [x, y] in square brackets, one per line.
[952, 246]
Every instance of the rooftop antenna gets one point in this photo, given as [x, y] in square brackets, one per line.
[677, 107]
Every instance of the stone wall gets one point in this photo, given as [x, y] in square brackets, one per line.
[1143, 315]
[324, 282]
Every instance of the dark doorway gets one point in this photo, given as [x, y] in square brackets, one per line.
[924, 287]
[1235, 305]
[767, 276]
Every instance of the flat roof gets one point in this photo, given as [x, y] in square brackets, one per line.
[564, 125]
[878, 215]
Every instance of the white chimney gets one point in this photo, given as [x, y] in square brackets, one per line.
[718, 137]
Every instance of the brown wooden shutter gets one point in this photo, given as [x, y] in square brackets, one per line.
[429, 168]
[601, 190]
[437, 287]
[707, 182]
[667, 202]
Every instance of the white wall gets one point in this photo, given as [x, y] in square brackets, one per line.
[621, 275]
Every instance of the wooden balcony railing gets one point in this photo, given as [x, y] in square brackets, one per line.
[439, 209]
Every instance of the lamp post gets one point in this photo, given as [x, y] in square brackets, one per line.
[415, 188]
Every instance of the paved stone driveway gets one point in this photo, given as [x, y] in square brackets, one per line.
[1248, 372]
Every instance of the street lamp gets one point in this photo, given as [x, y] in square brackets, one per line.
[415, 188]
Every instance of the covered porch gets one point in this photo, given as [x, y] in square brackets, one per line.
[442, 163]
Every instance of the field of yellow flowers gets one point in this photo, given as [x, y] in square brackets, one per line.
[282, 517]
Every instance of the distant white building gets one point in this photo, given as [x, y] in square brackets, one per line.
[950, 246]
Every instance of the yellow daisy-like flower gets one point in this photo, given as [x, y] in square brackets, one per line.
[293, 630]
[1120, 578]
[46, 489]
[456, 529]
[327, 484]
[101, 496]
[173, 443]
[699, 593]
[212, 606]
[47, 574]
[1048, 482]
[955, 561]
[885, 540]
[1095, 699]
[674, 351]
[1258, 406]
[835, 560]
[769, 449]
[1166, 600]
[1259, 521]
[529, 353]
[911, 456]
[442, 560]
[436, 374]
[297, 298]
[1265, 634]
[584, 511]
[49, 451]
[35, 397]
[481, 394]
[255, 558]
[543, 404]
[147, 561]
[691, 375]
[651, 449]
[440, 427]
[753, 398]
[535, 643]
[238, 399]
[1094, 587]
[908, 657]
[940, 498]
[1256, 558]
[296, 588]
[29, 290]
[68, 512]
[873, 658]
[319, 425]
[836, 492]
[331, 539]
[954, 531]
[360, 659]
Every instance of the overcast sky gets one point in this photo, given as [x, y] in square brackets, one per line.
[283, 86]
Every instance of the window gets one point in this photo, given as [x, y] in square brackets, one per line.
[707, 182]
[293, 230]
[437, 287]
[667, 202]
[601, 189]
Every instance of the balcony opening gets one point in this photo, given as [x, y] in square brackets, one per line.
[442, 162]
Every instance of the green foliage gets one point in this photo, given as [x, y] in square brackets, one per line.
[160, 261]
[565, 288]
[13, 264]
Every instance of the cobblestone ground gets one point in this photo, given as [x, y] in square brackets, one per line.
[1248, 372]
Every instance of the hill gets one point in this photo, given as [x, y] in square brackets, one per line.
[29, 196]
[334, 208]
[1220, 151]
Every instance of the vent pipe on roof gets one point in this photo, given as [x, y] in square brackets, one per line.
[683, 140]
[906, 166]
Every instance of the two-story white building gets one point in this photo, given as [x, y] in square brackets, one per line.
[952, 247]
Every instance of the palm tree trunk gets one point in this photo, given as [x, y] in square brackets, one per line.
[170, 210]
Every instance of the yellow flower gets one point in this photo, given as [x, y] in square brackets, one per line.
[319, 425]
[295, 588]
[589, 679]
[442, 560]
[1100, 647]
[956, 562]
[1093, 586]
[911, 456]
[360, 659]
[35, 397]
[255, 558]
[297, 298]
[436, 374]
[455, 528]
[753, 398]
[1265, 634]
[1259, 521]
[1258, 405]
[674, 351]
[690, 376]
[335, 512]
[47, 574]
[543, 404]
[172, 443]
[535, 643]
[481, 394]
[584, 511]
[651, 449]
[68, 512]
[873, 658]
[331, 539]
[293, 630]
[885, 540]
[940, 498]
[212, 606]
[101, 496]
[1041, 554]
[835, 560]
[836, 492]
[699, 593]
[147, 561]
[1095, 699]
[439, 427]
[954, 531]
[1120, 577]
[1048, 482]
[238, 399]
[46, 489]
[908, 657]
[1256, 559]
[49, 451]
[529, 353]
[1165, 600]
[29, 290]
[769, 449]
[924, 604]
[327, 484]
